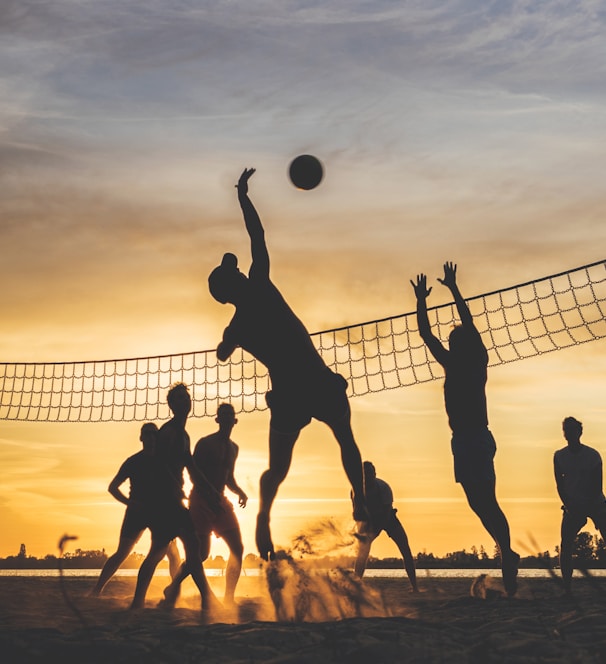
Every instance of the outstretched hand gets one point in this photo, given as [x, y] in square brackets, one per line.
[450, 275]
[420, 287]
[242, 185]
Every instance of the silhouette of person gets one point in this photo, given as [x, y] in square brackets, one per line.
[141, 469]
[465, 364]
[216, 455]
[302, 386]
[172, 518]
[379, 500]
[578, 475]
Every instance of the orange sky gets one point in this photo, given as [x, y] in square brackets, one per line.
[471, 133]
[57, 474]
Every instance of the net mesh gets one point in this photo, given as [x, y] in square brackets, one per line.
[522, 321]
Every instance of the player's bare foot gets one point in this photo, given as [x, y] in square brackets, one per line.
[263, 538]
[510, 573]
[171, 595]
[211, 607]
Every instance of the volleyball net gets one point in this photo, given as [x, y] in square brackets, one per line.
[518, 322]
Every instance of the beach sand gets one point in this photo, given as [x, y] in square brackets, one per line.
[315, 617]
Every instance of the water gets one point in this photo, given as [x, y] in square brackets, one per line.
[447, 573]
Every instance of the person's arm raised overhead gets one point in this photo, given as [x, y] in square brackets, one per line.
[254, 227]
[433, 343]
[450, 281]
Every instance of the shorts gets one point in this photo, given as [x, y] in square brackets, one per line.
[573, 520]
[322, 396]
[135, 521]
[206, 521]
[388, 523]
[473, 454]
[171, 521]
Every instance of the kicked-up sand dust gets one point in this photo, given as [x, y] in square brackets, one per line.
[374, 621]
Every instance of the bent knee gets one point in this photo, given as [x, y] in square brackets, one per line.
[275, 474]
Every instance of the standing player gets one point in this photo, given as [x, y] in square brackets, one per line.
[172, 518]
[216, 455]
[578, 476]
[303, 387]
[465, 364]
[141, 469]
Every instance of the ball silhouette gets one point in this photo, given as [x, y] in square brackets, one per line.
[306, 171]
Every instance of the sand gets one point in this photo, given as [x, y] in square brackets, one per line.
[370, 621]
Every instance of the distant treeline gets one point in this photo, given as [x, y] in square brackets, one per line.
[589, 553]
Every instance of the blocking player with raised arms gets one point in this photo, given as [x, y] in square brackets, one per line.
[465, 364]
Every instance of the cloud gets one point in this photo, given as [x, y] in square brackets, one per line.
[465, 127]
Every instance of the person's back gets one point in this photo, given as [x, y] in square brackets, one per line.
[466, 374]
[379, 498]
[473, 446]
[144, 473]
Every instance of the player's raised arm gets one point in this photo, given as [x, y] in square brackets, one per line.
[450, 281]
[254, 227]
[433, 343]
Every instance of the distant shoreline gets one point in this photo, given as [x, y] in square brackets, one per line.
[374, 573]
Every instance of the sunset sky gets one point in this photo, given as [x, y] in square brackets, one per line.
[466, 130]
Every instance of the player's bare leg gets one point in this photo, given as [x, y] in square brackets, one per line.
[365, 539]
[233, 539]
[352, 464]
[482, 500]
[399, 536]
[280, 456]
[112, 564]
[156, 552]
[174, 559]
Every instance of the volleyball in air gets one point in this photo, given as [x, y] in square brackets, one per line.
[306, 171]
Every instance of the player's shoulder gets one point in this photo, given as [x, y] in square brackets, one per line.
[166, 427]
[590, 451]
[133, 460]
[383, 486]
[208, 438]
